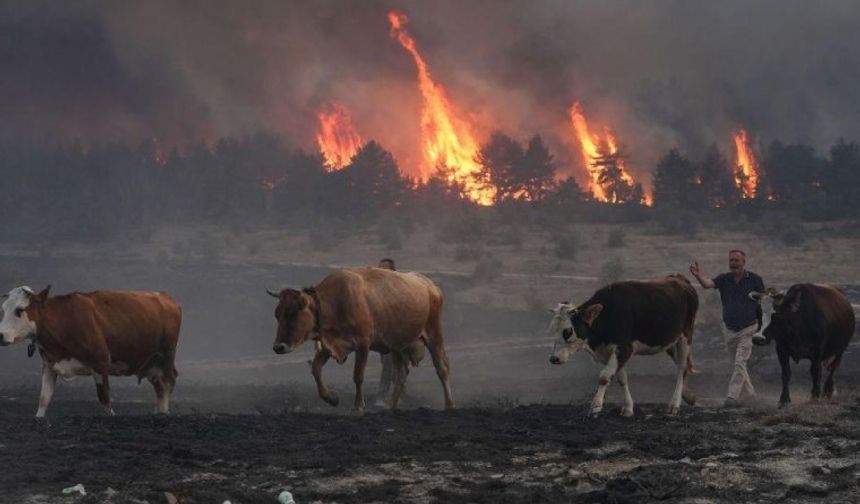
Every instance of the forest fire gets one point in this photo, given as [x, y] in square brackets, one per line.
[746, 175]
[337, 138]
[599, 158]
[448, 141]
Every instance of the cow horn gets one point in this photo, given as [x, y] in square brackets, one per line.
[273, 294]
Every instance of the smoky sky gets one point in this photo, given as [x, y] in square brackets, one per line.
[660, 73]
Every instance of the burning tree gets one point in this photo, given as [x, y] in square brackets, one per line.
[448, 139]
[616, 184]
[604, 163]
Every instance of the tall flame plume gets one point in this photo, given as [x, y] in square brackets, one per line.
[592, 148]
[746, 176]
[448, 141]
[337, 138]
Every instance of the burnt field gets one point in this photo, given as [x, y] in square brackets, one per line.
[490, 450]
[246, 424]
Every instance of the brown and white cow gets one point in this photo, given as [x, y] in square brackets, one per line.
[102, 333]
[363, 309]
[809, 321]
[630, 318]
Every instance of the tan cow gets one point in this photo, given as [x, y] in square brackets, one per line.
[359, 310]
[102, 333]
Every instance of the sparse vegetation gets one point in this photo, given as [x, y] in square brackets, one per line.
[468, 252]
[489, 268]
[793, 236]
[616, 238]
[612, 270]
[566, 245]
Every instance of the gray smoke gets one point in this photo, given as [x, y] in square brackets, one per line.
[660, 73]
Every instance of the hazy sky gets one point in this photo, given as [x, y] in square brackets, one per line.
[660, 73]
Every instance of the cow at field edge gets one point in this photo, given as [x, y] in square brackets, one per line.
[809, 321]
[363, 309]
[102, 333]
[630, 318]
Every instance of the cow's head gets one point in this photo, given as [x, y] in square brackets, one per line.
[21, 308]
[297, 318]
[776, 311]
[570, 327]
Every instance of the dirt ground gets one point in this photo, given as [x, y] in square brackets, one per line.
[492, 451]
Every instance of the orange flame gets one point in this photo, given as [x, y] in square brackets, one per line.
[746, 177]
[337, 139]
[448, 141]
[591, 149]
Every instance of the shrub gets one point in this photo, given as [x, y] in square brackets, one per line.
[389, 234]
[566, 246]
[793, 236]
[488, 269]
[465, 253]
[616, 238]
[612, 270]
[462, 228]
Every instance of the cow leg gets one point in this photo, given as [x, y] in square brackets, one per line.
[785, 366]
[162, 397]
[103, 390]
[605, 377]
[829, 389]
[815, 372]
[687, 394]
[400, 369]
[682, 349]
[321, 357]
[49, 380]
[621, 376]
[361, 354]
[440, 361]
[386, 378]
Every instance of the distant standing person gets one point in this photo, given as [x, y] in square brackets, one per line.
[741, 317]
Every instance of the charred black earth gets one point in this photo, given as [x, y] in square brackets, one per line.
[496, 454]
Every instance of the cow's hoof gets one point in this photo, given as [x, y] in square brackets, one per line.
[332, 399]
[689, 398]
[358, 411]
[673, 410]
[42, 422]
[759, 340]
[783, 404]
[593, 413]
[626, 412]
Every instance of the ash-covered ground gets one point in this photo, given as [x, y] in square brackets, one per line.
[246, 424]
[509, 441]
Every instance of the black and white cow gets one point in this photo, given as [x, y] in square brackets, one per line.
[626, 319]
[809, 321]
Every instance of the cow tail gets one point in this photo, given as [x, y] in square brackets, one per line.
[690, 368]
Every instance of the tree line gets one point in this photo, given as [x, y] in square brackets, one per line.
[104, 191]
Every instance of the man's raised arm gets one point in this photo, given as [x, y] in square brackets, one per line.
[704, 280]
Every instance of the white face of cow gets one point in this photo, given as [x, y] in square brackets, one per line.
[561, 329]
[766, 300]
[16, 325]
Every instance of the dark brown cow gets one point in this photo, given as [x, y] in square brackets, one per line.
[102, 333]
[626, 319]
[809, 321]
[363, 309]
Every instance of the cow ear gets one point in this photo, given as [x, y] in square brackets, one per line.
[42, 296]
[757, 296]
[778, 298]
[591, 313]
